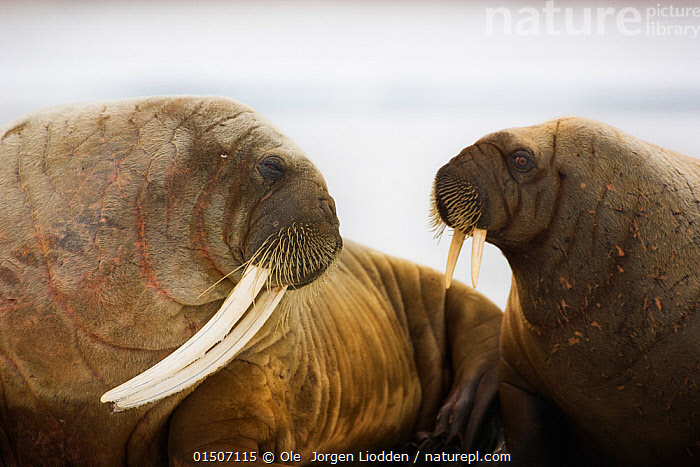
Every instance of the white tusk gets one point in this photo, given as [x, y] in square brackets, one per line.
[214, 331]
[455, 247]
[213, 360]
[479, 237]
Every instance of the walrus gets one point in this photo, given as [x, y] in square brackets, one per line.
[173, 284]
[600, 344]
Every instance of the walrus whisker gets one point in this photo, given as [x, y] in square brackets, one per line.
[435, 223]
[459, 204]
[242, 266]
[222, 279]
[459, 201]
[268, 259]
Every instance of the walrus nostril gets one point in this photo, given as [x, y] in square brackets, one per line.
[327, 208]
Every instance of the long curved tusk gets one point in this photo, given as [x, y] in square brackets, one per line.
[213, 360]
[478, 240]
[197, 346]
[455, 247]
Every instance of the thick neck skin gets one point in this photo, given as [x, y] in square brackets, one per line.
[619, 218]
[602, 320]
[364, 367]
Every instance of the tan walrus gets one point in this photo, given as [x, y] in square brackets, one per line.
[600, 341]
[116, 221]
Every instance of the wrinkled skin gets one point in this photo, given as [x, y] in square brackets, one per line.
[367, 366]
[600, 341]
[116, 217]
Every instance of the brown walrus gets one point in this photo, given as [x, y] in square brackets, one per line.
[600, 341]
[117, 218]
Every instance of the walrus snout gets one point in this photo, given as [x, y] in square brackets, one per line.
[456, 199]
[478, 189]
[327, 207]
[299, 254]
[296, 234]
[460, 201]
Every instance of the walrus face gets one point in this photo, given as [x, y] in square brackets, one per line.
[504, 186]
[292, 229]
[264, 217]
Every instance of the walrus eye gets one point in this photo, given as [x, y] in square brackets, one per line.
[271, 168]
[521, 161]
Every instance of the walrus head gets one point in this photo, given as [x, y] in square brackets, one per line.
[481, 189]
[509, 185]
[246, 200]
[293, 229]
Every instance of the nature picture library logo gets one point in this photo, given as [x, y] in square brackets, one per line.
[553, 19]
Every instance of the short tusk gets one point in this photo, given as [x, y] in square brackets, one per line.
[197, 346]
[478, 240]
[455, 247]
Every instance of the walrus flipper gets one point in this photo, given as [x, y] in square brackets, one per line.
[460, 394]
[469, 415]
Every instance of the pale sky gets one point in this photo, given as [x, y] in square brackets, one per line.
[378, 94]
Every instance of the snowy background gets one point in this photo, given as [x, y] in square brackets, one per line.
[379, 94]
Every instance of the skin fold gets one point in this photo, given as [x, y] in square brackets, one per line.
[366, 366]
[600, 342]
[117, 218]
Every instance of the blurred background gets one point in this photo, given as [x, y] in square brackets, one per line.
[379, 94]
